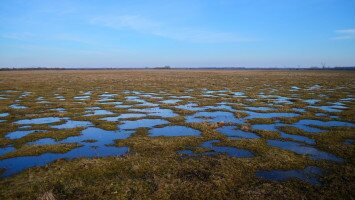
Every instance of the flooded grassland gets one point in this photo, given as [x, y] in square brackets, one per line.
[175, 134]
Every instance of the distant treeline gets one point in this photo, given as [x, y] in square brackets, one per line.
[178, 68]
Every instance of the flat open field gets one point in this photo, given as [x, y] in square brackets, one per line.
[176, 134]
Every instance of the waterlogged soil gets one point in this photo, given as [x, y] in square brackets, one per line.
[177, 134]
[174, 131]
[215, 149]
[309, 174]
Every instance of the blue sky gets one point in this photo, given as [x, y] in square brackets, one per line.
[179, 33]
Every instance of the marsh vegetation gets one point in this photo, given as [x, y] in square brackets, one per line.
[176, 134]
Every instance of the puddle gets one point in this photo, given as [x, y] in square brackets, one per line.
[73, 124]
[217, 116]
[8, 91]
[295, 88]
[308, 128]
[17, 106]
[25, 94]
[6, 150]
[19, 134]
[123, 106]
[321, 115]
[25, 127]
[44, 120]
[101, 136]
[302, 149]
[44, 141]
[4, 114]
[206, 91]
[299, 110]
[156, 111]
[306, 123]
[112, 103]
[18, 164]
[214, 150]
[283, 100]
[252, 115]
[338, 104]
[182, 97]
[239, 94]
[298, 138]
[98, 148]
[92, 108]
[132, 98]
[107, 95]
[349, 141]
[142, 123]
[82, 98]
[59, 97]
[141, 102]
[187, 152]
[314, 87]
[233, 132]
[333, 108]
[171, 101]
[276, 99]
[190, 107]
[220, 106]
[174, 131]
[60, 110]
[124, 116]
[311, 101]
[309, 174]
[42, 100]
[230, 151]
[349, 99]
[106, 98]
[259, 108]
[209, 95]
[145, 103]
[274, 127]
[267, 127]
[94, 112]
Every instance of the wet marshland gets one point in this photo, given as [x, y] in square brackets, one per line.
[305, 126]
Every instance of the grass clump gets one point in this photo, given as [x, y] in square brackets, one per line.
[32, 150]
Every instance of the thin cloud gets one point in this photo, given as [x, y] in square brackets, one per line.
[148, 26]
[18, 36]
[134, 22]
[345, 34]
[30, 37]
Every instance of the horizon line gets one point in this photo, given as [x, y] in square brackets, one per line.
[178, 68]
